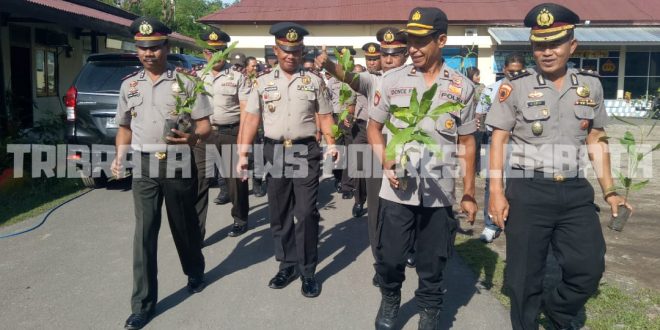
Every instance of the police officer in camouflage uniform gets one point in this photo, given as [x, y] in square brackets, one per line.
[393, 54]
[229, 89]
[421, 210]
[551, 111]
[146, 99]
[289, 98]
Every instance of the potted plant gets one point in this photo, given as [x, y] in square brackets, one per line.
[412, 115]
[185, 98]
[627, 178]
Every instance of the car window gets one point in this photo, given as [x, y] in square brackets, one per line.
[106, 76]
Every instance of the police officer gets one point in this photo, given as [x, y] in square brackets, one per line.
[372, 56]
[146, 99]
[288, 98]
[422, 208]
[393, 54]
[551, 111]
[229, 89]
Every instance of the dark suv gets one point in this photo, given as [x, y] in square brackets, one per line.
[91, 101]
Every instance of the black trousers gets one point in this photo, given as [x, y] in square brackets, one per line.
[543, 212]
[148, 195]
[238, 190]
[296, 243]
[356, 134]
[373, 202]
[338, 173]
[434, 228]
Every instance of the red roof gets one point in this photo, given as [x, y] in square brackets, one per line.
[642, 12]
[77, 9]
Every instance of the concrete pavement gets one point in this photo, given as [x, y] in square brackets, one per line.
[75, 272]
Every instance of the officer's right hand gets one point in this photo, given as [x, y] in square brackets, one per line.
[388, 169]
[116, 167]
[242, 167]
[321, 59]
[498, 209]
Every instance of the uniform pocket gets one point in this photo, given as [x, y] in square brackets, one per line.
[446, 125]
[309, 96]
[536, 123]
[584, 115]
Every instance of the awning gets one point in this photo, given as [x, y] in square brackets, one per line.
[616, 36]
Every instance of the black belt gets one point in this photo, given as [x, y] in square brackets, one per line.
[289, 142]
[228, 126]
[538, 175]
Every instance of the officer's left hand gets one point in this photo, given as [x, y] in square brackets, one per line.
[469, 206]
[615, 200]
[184, 138]
[332, 152]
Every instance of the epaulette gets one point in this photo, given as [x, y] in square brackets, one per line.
[131, 75]
[186, 71]
[239, 69]
[198, 67]
[517, 74]
[264, 72]
[588, 73]
[315, 72]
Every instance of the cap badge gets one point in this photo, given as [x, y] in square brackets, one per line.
[213, 36]
[371, 49]
[416, 16]
[292, 35]
[388, 36]
[545, 18]
[146, 28]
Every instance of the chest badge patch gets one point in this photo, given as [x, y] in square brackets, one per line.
[306, 80]
[583, 91]
[535, 95]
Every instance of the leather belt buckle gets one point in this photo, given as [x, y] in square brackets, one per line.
[288, 143]
[160, 155]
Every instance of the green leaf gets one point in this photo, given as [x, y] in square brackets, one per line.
[656, 147]
[343, 115]
[627, 182]
[445, 108]
[405, 114]
[336, 132]
[428, 142]
[427, 100]
[640, 156]
[414, 106]
[398, 140]
[391, 127]
[639, 185]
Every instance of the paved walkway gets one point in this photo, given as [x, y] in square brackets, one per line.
[75, 272]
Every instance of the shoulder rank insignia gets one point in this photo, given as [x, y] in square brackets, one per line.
[504, 92]
[588, 73]
[517, 74]
[131, 75]
[185, 71]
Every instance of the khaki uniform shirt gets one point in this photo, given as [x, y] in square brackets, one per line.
[548, 125]
[227, 89]
[289, 107]
[434, 183]
[144, 105]
[334, 85]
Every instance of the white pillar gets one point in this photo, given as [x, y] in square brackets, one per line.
[622, 72]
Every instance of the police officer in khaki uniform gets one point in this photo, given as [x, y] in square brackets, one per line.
[146, 99]
[551, 111]
[372, 56]
[422, 209]
[229, 89]
[289, 98]
[393, 54]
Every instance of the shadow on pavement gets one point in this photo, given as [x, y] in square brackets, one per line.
[348, 237]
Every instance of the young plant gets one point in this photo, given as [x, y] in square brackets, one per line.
[347, 64]
[413, 115]
[627, 179]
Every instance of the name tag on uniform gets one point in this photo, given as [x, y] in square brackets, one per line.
[133, 94]
[535, 103]
[307, 88]
[270, 88]
[229, 83]
[401, 91]
[587, 102]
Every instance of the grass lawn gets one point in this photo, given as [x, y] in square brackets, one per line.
[26, 198]
[610, 308]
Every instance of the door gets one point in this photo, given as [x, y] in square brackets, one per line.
[21, 87]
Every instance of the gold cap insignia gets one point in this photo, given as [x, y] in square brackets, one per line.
[371, 49]
[213, 36]
[545, 18]
[388, 36]
[292, 35]
[146, 29]
[417, 16]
